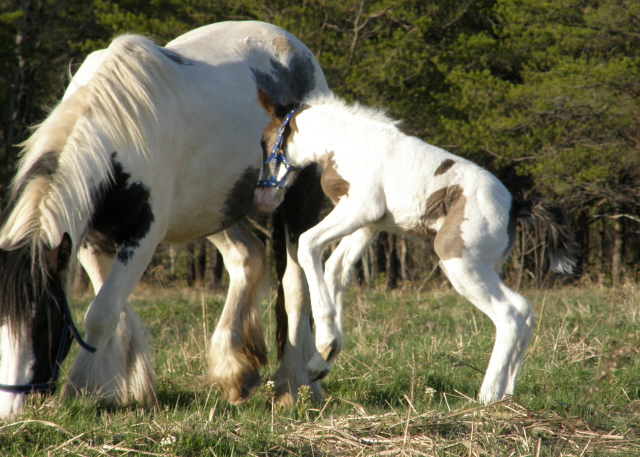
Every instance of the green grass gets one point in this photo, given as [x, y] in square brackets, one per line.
[404, 384]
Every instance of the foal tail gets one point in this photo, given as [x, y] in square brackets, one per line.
[562, 246]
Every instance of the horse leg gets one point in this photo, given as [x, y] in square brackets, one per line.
[349, 215]
[121, 370]
[297, 345]
[511, 314]
[237, 348]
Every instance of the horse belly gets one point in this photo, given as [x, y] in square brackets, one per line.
[208, 200]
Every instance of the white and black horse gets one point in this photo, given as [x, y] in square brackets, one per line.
[149, 144]
[382, 179]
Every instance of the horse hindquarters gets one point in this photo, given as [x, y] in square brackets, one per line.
[237, 349]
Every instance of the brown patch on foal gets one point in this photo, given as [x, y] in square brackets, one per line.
[444, 167]
[333, 185]
[448, 203]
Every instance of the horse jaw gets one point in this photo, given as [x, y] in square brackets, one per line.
[268, 198]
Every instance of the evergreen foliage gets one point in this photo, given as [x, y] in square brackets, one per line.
[543, 93]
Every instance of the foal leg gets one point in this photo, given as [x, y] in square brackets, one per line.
[121, 370]
[337, 268]
[349, 215]
[511, 314]
[237, 348]
[298, 346]
[337, 274]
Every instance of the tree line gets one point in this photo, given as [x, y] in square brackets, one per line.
[545, 94]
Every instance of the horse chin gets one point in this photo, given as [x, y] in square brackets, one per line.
[268, 198]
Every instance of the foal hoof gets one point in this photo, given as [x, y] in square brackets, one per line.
[317, 367]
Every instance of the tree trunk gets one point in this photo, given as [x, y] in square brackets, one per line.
[392, 264]
[191, 265]
[201, 260]
[617, 251]
[218, 268]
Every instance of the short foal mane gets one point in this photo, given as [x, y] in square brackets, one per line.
[68, 154]
[334, 102]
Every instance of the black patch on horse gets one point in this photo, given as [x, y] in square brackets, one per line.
[287, 84]
[122, 213]
[100, 243]
[240, 199]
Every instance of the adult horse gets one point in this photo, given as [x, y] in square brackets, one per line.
[150, 144]
[381, 179]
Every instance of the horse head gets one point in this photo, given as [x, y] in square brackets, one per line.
[34, 334]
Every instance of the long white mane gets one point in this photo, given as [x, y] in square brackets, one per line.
[113, 112]
[332, 101]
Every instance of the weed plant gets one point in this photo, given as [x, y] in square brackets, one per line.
[403, 385]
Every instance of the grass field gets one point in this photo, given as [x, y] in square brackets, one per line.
[404, 385]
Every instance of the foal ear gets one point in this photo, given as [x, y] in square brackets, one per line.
[58, 257]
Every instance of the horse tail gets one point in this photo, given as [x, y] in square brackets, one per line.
[562, 246]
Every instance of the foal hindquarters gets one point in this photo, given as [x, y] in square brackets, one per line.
[472, 263]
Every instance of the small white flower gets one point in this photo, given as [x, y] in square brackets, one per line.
[168, 440]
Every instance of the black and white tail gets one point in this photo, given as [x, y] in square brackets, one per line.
[562, 246]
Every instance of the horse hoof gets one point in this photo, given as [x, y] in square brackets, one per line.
[318, 375]
[317, 367]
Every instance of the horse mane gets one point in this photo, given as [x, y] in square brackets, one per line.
[332, 101]
[66, 160]
[68, 154]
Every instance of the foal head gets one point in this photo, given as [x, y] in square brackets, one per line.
[33, 334]
[280, 174]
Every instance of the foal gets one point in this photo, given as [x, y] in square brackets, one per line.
[381, 179]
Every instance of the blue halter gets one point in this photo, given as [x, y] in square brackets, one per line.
[277, 156]
[69, 328]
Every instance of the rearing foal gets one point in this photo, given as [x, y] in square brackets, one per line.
[382, 179]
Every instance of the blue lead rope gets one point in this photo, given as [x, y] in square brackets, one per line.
[277, 156]
[50, 386]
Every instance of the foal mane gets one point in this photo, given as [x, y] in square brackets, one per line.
[334, 102]
[68, 157]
